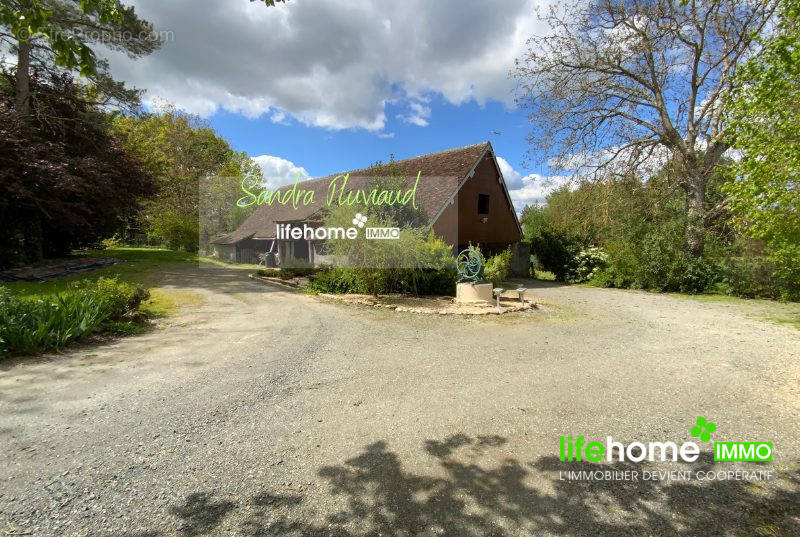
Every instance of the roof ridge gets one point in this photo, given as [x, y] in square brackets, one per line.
[444, 151]
[462, 148]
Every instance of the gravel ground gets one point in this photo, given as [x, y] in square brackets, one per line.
[261, 412]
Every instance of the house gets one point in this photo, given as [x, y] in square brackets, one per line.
[461, 190]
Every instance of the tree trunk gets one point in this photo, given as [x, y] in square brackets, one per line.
[696, 229]
[23, 87]
[34, 241]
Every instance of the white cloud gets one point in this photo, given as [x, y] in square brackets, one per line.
[512, 177]
[535, 189]
[278, 171]
[278, 116]
[531, 189]
[418, 115]
[330, 63]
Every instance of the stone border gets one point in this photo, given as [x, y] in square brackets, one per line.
[448, 307]
[286, 284]
[446, 304]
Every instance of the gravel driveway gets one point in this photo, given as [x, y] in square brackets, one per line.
[262, 412]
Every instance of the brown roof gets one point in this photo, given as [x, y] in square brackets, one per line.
[441, 174]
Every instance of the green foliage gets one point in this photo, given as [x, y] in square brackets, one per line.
[32, 325]
[65, 182]
[498, 267]
[398, 265]
[28, 20]
[175, 230]
[117, 298]
[123, 328]
[748, 276]
[67, 35]
[198, 174]
[765, 126]
[587, 263]
[553, 246]
[413, 264]
[630, 233]
[340, 280]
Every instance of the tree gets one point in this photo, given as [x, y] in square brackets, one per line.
[764, 116]
[182, 153]
[49, 35]
[617, 86]
[64, 181]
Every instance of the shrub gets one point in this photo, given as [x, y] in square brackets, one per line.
[749, 276]
[32, 325]
[113, 242]
[555, 252]
[292, 267]
[586, 264]
[269, 272]
[423, 281]
[176, 231]
[117, 298]
[417, 262]
[338, 280]
[123, 328]
[498, 267]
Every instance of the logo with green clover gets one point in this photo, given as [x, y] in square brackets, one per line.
[703, 429]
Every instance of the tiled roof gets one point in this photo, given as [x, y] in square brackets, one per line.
[440, 175]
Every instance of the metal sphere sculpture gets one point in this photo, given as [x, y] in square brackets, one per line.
[469, 264]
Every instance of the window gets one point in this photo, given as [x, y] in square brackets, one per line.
[483, 203]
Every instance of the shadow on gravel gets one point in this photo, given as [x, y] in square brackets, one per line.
[379, 497]
[200, 513]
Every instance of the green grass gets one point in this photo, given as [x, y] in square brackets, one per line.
[147, 267]
[143, 266]
[787, 313]
[545, 276]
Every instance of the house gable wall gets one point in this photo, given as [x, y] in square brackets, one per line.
[500, 228]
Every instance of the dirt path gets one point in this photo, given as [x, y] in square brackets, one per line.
[260, 412]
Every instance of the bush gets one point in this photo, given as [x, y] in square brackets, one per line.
[586, 264]
[749, 276]
[498, 267]
[293, 267]
[117, 298]
[417, 262]
[423, 281]
[32, 325]
[113, 242]
[176, 231]
[338, 280]
[269, 272]
[555, 252]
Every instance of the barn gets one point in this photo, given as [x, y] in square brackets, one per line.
[461, 190]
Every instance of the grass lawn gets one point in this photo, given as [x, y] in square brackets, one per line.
[772, 310]
[144, 266]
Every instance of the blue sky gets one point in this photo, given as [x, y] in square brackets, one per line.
[321, 151]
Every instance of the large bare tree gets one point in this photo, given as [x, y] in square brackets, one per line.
[615, 86]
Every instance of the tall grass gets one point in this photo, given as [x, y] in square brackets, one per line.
[46, 323]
